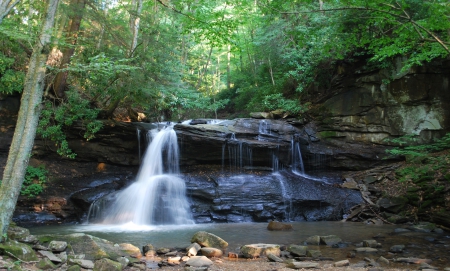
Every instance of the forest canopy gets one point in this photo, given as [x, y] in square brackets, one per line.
[172, 60]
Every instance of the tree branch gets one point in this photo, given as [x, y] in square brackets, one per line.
[179, 12]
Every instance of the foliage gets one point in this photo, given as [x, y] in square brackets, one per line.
[10, 81]
[420, 150]
[55, 119]
[278, 102]
[35, 178]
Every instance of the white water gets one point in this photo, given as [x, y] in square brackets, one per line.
[157, 197]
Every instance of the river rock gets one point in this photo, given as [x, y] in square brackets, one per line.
[341, 263]
[45, 264]
[52, 257]
[330, 240]
[278, 226]
[131, 250]
[313, 253]
[21, 234]
[383, 260]
[297, 250]
[18, 250]
[256, 250]
[163, 250]
[87, 264]
[397, 248]
[301, 265]
[174, 260]
[193, 249]
[206, 239]
[57, 246]
[211, 252]
[274, 258]
[371, 243]
[313, 240]
[149, 250]
[107, 264]
[199, 261]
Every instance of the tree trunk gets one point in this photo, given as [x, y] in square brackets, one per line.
[134, 26]
[27, 122]
[5, 7]
[60, 83]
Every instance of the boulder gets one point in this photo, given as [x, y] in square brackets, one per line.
[330, 240]
[211, 252]
[21, 234]
[18, 250]
[396, 248]
[92, 247]
[199, 261]
[57, 246]
[130, 250]
[274, 258]
[107, 265]
[313, 240]
[206, 239]
[49, 255]
[341, 263]
[278, 226]
[193, 249]
[297, 250]
[87, 264]
[256, 250]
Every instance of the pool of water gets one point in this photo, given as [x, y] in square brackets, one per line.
[235, 234]
[418, 244]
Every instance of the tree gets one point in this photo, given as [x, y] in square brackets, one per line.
[27, 121]
[6, 6]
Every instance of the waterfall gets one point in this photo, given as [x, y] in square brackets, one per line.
[138, 133]
[286, 198]
[239, 153]
[158, 196]
[297, 160]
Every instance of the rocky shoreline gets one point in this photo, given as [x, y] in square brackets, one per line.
[417, 247]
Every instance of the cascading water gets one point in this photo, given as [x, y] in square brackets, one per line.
[155, 198]
[297, 160]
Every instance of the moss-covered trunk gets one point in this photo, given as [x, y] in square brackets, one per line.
[27, 122]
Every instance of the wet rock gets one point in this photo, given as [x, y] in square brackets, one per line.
[57, 246]
[199, 261]
[401, 230]
[342, 263]
[107, 264]
[313, 253]
[163, 250]
[423, 227]
[211, 252]
[18, 250]
[397, 248]
[330, 240]
[313, 240]
[193, 249]
[297, 250]
[278, 226]
[206, 239]
[256, 250]
[301, 265]
[350, 184]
